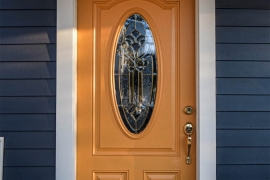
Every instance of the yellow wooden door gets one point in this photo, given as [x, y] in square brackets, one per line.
[106, 150]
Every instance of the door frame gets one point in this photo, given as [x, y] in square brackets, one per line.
[66, 100]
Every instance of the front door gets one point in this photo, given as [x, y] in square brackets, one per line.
[136, 75]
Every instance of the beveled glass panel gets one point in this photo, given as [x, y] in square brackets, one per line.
[135, 73]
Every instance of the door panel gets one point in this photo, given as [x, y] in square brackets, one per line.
[105, 148]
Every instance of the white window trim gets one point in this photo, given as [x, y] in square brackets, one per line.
[1, 157]
[66, 90]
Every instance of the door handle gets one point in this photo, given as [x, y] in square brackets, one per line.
[188, 129]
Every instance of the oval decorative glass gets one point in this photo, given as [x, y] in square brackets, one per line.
[135, 73]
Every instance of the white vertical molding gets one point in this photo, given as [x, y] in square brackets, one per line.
[206, 89]
[1, 157]
[66, 90]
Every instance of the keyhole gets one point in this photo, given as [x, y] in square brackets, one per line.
[188, 129]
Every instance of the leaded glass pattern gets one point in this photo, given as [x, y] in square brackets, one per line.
[135, 73]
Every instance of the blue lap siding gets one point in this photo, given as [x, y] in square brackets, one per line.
[28, 88]
[243, 89]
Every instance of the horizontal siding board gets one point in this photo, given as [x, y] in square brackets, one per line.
[37, 52]
[28, 88]
[27, 122]
[243, 120]
[29, 173]
[27, 18]
[253, 4]
[27, 70]
[243, 34]
[27, 35]
[259, 155]
[242, 138]
[242, 69]
[243, 103]
[24, 140]
[242, 86]
[242, 17]
[243, 52]
[38, 157]
[240, 172]
[41, 87]
[27, 104]
[28, 4]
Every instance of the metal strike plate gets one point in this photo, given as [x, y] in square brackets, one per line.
[188, 110]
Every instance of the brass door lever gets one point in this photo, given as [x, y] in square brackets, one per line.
[188, 129]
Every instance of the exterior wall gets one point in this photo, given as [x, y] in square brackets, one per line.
[28, 88]
[243, 89]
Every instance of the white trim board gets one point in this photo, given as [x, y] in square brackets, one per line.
[66, 90]
[206, 89]
[1, 157]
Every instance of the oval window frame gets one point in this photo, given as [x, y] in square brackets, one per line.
[115, 35]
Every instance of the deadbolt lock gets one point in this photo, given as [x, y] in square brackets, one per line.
[188, 110]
